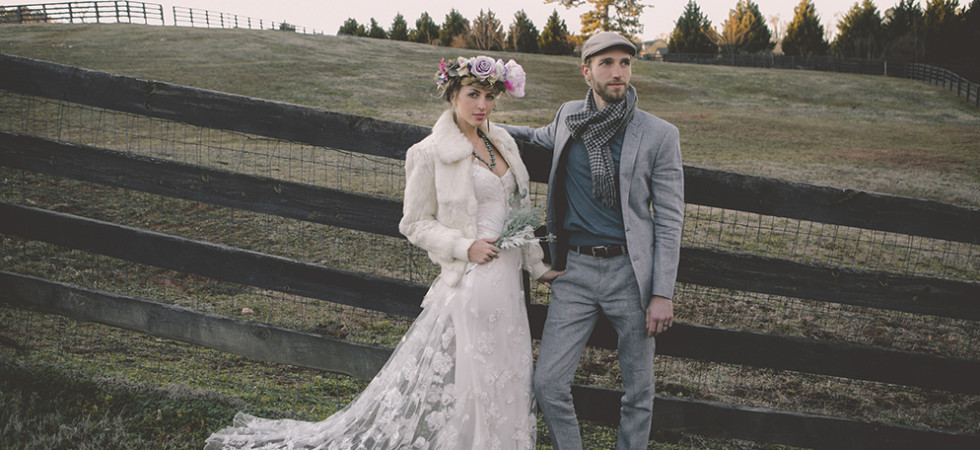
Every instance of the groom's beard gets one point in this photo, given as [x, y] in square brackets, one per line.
[610, 95]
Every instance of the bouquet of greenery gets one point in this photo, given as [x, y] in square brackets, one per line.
[519, 227]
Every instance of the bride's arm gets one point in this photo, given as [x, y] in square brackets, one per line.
[419, 223]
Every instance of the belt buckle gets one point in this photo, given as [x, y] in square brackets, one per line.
[601, 251]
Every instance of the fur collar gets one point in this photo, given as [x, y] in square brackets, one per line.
[453, 145]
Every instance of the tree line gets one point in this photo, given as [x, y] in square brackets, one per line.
[941, 33]
[486, 32]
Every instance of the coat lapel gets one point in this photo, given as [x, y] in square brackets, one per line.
[627, 159]
[453, 146]
[562, 135]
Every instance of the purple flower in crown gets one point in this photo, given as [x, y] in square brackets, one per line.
[483, 67]
[486, 69]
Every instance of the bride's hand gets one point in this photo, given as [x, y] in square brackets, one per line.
[550, 276]
[483, 251]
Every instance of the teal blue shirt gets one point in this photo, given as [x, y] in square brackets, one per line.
[587, 221]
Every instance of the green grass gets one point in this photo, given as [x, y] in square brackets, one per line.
[47, 407]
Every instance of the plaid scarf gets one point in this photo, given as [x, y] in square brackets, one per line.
[597, 128]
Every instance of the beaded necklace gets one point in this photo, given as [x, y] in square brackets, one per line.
[493, 159]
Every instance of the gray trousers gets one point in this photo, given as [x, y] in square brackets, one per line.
[589, 286]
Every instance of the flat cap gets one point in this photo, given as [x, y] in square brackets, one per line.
[602, 41]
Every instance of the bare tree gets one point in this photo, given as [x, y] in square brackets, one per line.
[609, 15]
[487, 33]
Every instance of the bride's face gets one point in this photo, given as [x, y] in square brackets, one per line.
[473, 106]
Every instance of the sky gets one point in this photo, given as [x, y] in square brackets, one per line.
[658, 20]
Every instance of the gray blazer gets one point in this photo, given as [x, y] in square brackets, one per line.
[651, 177]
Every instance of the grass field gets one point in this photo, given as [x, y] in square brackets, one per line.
[888, 135]
[857, 131]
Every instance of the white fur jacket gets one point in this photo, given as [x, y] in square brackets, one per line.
[440, 207]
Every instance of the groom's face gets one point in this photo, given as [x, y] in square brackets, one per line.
[609, 75]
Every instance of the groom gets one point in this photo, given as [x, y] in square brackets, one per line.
[611, 164]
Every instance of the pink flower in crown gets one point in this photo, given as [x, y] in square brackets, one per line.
[516, 78]
[482, 67]
[441, 75]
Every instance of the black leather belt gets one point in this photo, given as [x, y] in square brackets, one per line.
[600, 251]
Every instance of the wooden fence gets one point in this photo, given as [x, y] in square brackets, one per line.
[137, 12]
[922, 72]
[961, 86]
[921, 295]
[202, 18]
[84, 12]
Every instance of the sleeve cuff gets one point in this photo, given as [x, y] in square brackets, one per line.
[537, 269]
[462, 248]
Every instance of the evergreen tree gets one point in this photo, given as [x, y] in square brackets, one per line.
[376, 31]
[454, 29]
[941, 26]
[399, 29]
[622, 16]
[350, 27]
[426, 31]
[804, 35]
[555, 39]
[693, 32]
[970, 36]
[523, 36]
[903, 26]
[859, 32]
[746, 31]
[487, 32]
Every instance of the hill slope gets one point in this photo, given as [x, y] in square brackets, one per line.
[866, 132]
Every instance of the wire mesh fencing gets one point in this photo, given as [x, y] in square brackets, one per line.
[86, 345]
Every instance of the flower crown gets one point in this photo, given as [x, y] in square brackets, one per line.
[486, 69]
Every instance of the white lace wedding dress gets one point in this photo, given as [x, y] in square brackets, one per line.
[459, 379]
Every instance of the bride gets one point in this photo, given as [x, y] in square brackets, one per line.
[461, 376]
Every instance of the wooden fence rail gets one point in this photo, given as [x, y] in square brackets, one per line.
[202, 18]
[391, 139]
[360, 212]
[600, 405]
[84, 12]
[914, 294]
[399, 297]
[961, 86]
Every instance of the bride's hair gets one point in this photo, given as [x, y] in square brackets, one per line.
[454, 84]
